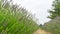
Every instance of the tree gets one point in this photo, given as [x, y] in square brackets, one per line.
[56, 9]
[53, 26]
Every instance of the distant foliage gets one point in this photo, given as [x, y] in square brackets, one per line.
[15, 20]
[56, 9]
[53, 26]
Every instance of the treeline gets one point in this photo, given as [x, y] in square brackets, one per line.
[53, 26]
[15, 19]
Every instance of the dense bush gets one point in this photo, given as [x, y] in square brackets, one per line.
[15, 20]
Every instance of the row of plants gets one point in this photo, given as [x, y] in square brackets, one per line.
[15, 19]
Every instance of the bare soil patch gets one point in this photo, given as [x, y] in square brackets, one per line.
[39, 31]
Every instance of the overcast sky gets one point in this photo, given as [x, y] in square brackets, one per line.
[38, 7]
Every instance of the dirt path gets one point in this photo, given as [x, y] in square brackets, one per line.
[39, 31]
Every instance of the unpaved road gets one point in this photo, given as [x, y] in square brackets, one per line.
[39, 31]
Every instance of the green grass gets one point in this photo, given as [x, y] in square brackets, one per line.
[15, 22]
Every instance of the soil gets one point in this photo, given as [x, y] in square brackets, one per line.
[40, 31]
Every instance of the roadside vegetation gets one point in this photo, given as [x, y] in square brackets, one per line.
[15, 19]
[53, 26]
